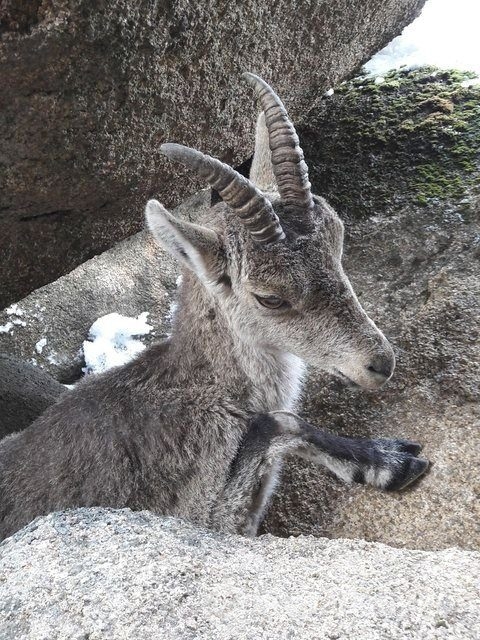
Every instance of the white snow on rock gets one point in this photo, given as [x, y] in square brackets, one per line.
[112, 341]
[14, 310]
[444, 35]
[5, 328]
[40, 345]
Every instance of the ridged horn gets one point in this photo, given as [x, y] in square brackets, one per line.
[289, 167]
[252, 207]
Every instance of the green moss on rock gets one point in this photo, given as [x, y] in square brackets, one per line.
[415, 137]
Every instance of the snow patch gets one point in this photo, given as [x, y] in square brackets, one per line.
[111, 341]
[5, 328]
[14, 310]
[40, 345]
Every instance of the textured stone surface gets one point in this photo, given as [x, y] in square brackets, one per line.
[91, 89]
[132, 277]
[114, 574]
[25, 392]
[412, 139]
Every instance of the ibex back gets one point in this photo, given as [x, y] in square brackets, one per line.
[198, 425]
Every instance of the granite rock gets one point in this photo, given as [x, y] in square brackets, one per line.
[103, 574]
[91, 89]
[25, 392]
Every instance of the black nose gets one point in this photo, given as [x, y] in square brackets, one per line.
[382, 365]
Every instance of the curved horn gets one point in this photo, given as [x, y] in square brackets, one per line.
[289, 167]
[251, 206]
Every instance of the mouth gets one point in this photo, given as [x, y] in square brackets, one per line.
[345, 379]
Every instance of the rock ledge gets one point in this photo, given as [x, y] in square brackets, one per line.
[99, 573]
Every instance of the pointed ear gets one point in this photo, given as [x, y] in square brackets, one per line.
[198, 248]
[261, 172]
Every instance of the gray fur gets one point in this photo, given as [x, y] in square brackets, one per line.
[196, 427]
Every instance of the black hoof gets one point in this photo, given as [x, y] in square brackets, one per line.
[410, 470]
[408, 446]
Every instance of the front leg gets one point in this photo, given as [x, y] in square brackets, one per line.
[255, 470]
[253, 476]
[389, 464]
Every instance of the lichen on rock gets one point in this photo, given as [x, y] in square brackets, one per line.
[413, 138]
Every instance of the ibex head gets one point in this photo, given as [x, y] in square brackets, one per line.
[272, 260]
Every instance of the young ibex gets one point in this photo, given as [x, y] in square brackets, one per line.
[198, 425]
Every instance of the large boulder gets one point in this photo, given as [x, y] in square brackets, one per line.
[104, 574]
[91, 89]
[25, 392]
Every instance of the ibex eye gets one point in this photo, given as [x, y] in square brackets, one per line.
[272, 302]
